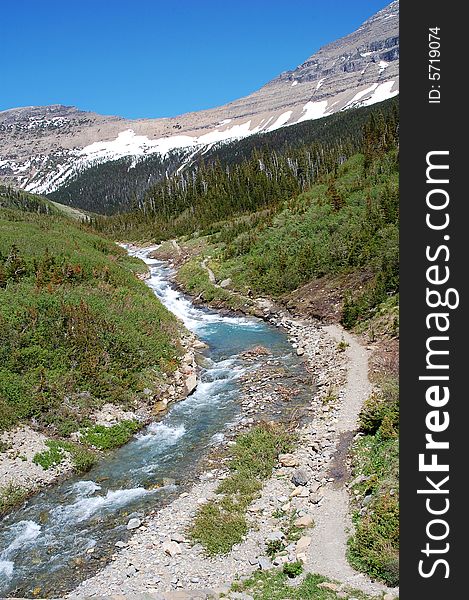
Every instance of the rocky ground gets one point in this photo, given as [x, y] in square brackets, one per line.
[16, 461]
[308, 488]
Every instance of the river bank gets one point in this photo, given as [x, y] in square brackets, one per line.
[21, 476]
[308, 487]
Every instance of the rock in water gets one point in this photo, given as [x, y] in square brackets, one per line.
[191, 383]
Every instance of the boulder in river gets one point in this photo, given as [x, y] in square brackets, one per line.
[191, 383]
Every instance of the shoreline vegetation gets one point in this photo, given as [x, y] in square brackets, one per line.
[88, 354]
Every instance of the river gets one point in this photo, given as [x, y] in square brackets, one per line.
[68, 531]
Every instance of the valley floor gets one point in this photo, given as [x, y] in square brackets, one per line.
[160, 563]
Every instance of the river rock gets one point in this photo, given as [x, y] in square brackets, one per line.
[314, 487]
[191, 383]
[304, 522]
[300, 477]
[303, 543]
[166, 481]
[275, 535]
[134, 523]
[264, 563]
[288, 460]
[172, 548]
[160, 405]
[328, 585]
[316, 498]
[225, 283]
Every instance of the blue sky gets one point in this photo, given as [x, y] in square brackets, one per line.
[153, 58]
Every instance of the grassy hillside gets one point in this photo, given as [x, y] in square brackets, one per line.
[11, 198]
[77, 328]
[346, 223]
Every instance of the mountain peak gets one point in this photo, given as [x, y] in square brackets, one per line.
[41, 147]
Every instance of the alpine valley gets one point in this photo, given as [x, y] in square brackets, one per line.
[199, 342]
[67, 153]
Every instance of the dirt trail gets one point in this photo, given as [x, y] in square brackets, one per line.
[332, 519]
[211, 274]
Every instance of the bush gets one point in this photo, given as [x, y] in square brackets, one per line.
[218, 530]
[374, 547]
[380, 412]
[106, 438]
[293, 569]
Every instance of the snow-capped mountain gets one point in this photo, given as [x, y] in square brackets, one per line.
[41, 148]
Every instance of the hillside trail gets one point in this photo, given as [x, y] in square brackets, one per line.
[211, 274]
[332, 520]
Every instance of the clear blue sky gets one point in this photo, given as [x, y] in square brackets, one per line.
[152, 58]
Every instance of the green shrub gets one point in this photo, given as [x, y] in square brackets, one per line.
[374, 546]
[11, 496]
[52, 457]
[218, 530]
[82, 458]
[273, 547]
[293, 569]
[106, 438]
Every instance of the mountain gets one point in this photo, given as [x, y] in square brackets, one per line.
[44, 148]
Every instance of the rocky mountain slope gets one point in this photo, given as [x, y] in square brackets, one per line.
[41, 148]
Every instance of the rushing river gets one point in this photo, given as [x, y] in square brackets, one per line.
[45, 546]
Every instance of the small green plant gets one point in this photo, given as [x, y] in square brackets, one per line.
[331, 397]
[82, 458]
[106, 438]
[218, 530]
[52, 457]
[276, 585]
[273, 547]
[342, 345]
[291, 531]
[10, 496]
[293, 569]
[221, 522]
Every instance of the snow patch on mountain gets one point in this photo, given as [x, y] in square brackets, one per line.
[313, 110]
[381, 93]
[281, 120]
